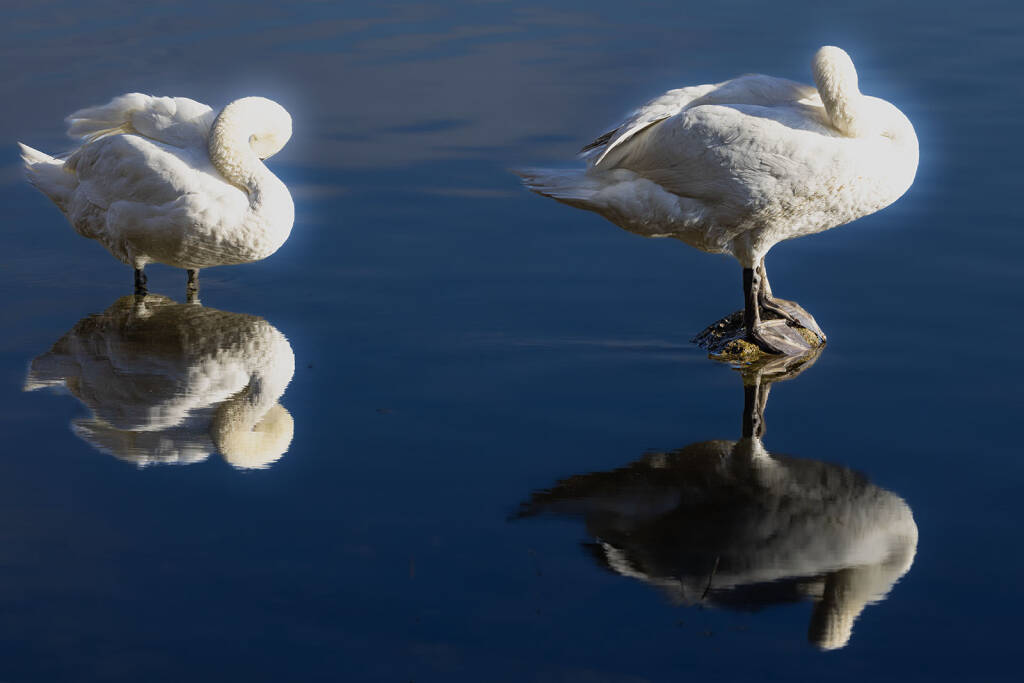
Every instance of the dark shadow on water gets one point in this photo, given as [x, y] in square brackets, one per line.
[730, 525]
[172, 383]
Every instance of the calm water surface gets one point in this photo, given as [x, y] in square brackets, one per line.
[488, 451]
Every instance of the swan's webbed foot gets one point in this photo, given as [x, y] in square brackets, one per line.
[776, 337]
[765, 326]
[771, 336]
[140, 282]
[192, 286]
[791, 312]
[758, 338]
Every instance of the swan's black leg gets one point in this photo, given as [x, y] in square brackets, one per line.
[140, 282]
[192, 286]
[752, 311]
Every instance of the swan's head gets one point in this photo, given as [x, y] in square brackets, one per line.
[265, 122]
[247, 446]
[885, 548]
[270, 124]
[836, 79]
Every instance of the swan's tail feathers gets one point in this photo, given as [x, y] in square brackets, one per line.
[111, 118]
[35, 382]
[571, 186]
[33, 156]
[49, 370]
[48, 175]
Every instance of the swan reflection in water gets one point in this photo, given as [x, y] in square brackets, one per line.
[172, 383]
[726, 523]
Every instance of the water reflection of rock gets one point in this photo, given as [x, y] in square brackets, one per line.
[172, 383]
[726, 523]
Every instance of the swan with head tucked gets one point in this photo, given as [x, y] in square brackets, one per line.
[727, 523]
[169, 180]
[172, 383]
[738, 166]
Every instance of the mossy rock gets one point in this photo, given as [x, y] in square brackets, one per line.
[725, 340]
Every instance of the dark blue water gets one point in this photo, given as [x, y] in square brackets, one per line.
[463, 348]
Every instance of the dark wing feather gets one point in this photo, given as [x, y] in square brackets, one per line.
[600, 142]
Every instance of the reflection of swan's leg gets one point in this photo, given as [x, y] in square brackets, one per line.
[787, 310]
[140, 281]
[752, 312]
[192, 287]
[755, 398]
[711, 577]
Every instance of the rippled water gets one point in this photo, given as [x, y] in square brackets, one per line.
[482, 447]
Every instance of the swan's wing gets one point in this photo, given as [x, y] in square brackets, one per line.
[643, 490]
[753, 89]
[137, 196]
[176, 121]
[136, 169]
[735, 157]
[758, 90]
[658, 109]
[175, 446]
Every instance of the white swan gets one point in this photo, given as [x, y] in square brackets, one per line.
[736, 167]
[727, 523]
[172, 383]
[169, 180]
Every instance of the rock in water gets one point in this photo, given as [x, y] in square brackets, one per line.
[724, 339]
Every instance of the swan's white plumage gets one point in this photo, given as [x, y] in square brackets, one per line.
[168, 179]
[757, 518]
[736, 167]
[176, 121]
[172, 383]
[728, 523]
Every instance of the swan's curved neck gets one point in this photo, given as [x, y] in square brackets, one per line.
[243, 410]
[231, 153]
[836, 79]
[251, 430]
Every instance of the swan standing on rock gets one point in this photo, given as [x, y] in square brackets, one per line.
[170, 180]
[735, 167]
